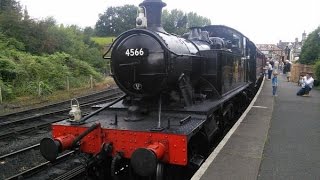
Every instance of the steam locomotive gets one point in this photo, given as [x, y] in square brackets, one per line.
[180, 93]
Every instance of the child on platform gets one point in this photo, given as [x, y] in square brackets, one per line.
[274, 83]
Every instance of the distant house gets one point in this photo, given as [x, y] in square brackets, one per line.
[272, 51]
[284, 50]
[293, 48]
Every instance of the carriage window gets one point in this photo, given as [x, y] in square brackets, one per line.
[244, 45]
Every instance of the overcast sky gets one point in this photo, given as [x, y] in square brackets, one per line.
[263, 21]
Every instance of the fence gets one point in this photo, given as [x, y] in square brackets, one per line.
[42, 89]
[300, 69]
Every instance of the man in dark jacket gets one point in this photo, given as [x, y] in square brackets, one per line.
[288, 69]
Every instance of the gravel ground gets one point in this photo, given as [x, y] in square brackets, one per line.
[15, 164]
[11, 166]
[10, 145]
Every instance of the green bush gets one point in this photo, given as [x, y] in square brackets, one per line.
[32, 88]
[41, 51]
[20, 73]
[317, 70]
[7, 91]
[7, 70]
[103, 41]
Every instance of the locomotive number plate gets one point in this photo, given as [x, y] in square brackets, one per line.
[139, 52]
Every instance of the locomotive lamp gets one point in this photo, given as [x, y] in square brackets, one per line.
[75, 113]
[153, 11]
[141, 20]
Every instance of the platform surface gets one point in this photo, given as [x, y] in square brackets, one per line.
[278, 138]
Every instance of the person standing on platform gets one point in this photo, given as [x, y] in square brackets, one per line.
[269, 70]
[281, 65]
[272, 62]
[285, 68]
[288, 70]
[265, 68]
[276, 65]
[274, 83]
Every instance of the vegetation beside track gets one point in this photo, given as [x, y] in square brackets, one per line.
[103, 41]
[27, 102]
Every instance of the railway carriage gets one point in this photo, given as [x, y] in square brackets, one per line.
[180, 94]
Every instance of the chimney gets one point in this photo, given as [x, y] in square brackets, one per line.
[304, 36]
[153, 13]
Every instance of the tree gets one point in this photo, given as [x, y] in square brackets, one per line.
[10, 6]
[177, 22]
[317, 69]
[10, 17]
[116, 20]
[119, 19]
[310, 51]
[174, 21]
[196, 20]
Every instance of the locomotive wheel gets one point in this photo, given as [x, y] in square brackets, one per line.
[198, 148]
[118, 167]
[244, 101]
[172, 172]
[160, 171]
[250, 95]
[115, 163]
[220, 122]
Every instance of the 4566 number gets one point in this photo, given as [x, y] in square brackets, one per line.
[136, 52]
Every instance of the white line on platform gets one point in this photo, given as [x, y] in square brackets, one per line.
[263, 107]
[216, 151]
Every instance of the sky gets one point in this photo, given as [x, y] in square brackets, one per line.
[262, 21]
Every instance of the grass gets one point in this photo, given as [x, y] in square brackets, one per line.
[103, 41]
[28, 102]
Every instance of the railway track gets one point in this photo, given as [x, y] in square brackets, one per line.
[43, 121]
[20, 161]
[3, 157]
[41, 168]
[5, 119]
[15, 126]
[21, 154]
[77, 171]
[46, 166]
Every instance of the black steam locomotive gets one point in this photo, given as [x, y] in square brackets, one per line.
[180, 93]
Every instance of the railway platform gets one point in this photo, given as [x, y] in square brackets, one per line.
[276, 138]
